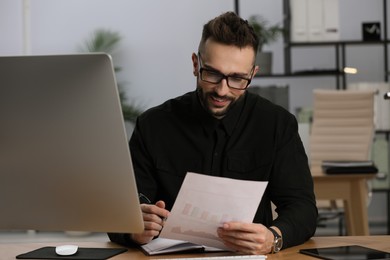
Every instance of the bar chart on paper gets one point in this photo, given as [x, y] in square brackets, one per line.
[204, 203]
[203, 214]
[200, 221]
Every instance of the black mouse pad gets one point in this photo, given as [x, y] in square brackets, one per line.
[82, 253]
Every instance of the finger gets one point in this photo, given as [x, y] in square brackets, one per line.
[163, 213]
[155, 209]
[160, 204]
[238, 235]
[239, 226]
[244, 227]
[235, 235]
[149, 225]
[152, 218]
[154, 215]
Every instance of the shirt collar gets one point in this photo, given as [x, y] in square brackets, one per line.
[231, 119]
[209, 123]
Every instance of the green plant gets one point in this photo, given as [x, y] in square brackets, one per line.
[265, 32]
[107, 41]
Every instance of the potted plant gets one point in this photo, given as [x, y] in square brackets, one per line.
[266, 34]
[103, 40]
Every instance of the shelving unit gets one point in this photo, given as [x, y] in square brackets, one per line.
[339, 51]
[339, 47]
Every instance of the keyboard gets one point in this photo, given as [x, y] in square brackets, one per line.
[234, 257]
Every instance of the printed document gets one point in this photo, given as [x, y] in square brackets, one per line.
[205, 202]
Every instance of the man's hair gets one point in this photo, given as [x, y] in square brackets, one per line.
[229, 29]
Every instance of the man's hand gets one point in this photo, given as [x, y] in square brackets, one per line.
[247, 238]
[154, 219]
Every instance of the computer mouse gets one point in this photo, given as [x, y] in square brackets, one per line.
[66, 250]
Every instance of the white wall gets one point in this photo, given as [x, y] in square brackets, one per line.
[159, 37]
[11, 41]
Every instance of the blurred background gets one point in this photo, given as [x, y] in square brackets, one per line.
[157, 39]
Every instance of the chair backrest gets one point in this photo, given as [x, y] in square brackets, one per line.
[343, 125]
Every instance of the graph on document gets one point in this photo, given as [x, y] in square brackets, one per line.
[204, 203]
[201, 213]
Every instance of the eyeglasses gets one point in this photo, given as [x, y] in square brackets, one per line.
[215, 77]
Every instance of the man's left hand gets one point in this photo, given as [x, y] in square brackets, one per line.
[247, 238]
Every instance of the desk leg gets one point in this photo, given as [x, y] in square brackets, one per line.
[356, 209]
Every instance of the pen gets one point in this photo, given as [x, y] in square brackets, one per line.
[143, 199]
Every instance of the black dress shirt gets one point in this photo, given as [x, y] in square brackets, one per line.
[256, 140]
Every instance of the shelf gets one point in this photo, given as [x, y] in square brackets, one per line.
[305, 73]
[349, 42]
[385, 132]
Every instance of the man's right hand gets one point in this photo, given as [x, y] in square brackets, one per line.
[154, 219]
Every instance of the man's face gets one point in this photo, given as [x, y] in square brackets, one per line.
[217, 98]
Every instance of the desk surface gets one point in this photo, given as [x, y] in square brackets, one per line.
[10, 250]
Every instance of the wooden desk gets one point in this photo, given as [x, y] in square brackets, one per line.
[9, 251]
[352, 189]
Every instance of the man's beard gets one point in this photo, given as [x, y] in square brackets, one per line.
[204, 97]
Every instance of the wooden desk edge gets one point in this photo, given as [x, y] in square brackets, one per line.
[10, 250]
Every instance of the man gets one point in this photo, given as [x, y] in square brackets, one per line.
[220, 129]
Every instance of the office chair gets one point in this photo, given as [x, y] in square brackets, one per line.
[342, 129]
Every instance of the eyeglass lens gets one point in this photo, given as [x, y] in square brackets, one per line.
[215, 78]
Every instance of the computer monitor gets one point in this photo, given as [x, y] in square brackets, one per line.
[65, 163]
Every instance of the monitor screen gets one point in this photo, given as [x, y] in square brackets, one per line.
[64, 158]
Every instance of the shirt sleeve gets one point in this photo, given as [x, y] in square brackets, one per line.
[122, 239]
[291, 188]
[143, 163]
